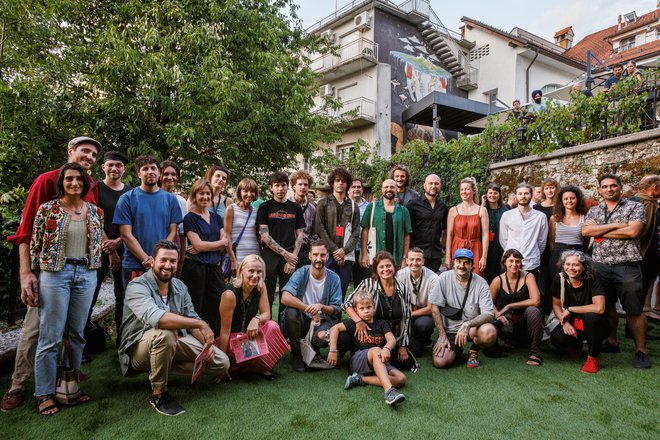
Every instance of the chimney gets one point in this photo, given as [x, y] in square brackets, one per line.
[564, 38]
[619, 24]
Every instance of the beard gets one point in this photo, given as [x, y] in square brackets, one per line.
[389, 195]
[162, 277]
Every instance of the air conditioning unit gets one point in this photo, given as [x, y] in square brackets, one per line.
[328, 35]
[368, 52]
[362, 21]
[326, 90]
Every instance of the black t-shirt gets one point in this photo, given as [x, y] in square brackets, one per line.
[390, 310]
[108, 199]
[375, 336]
[244, 310]
[427, 224]
[580, 296]
[282, 219]
[389, 233]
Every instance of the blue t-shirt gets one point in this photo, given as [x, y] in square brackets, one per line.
[207, 232]
[150, 215]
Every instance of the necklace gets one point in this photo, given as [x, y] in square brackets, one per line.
[76, 211]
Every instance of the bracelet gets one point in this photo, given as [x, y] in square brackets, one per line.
[334, 351]
[388, 348]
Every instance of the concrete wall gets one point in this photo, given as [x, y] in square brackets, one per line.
[630, 156]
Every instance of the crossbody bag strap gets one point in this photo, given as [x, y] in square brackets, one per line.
[238, 239]
[373, 208]
[562, 290]
[467, 291]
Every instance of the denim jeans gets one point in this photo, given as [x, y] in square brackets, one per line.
[64, 300]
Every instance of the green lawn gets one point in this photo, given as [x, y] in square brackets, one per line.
[504, 399]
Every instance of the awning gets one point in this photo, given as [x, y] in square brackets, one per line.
[450, 112]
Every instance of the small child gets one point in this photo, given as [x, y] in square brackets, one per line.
[373, 351]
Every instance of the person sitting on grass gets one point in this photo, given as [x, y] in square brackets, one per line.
[461, 304]
[516, 299]
[372, 352]
[578, 300]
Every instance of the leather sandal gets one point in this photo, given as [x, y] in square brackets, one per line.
[47, 405]
[535, 360]
[12, 399]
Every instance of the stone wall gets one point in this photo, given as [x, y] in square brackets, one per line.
[631, 157]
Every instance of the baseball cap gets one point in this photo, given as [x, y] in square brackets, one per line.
[464, 253]
[73, 143]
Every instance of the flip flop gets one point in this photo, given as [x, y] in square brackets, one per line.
[12, 399]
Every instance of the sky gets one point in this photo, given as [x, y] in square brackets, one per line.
[542, 18]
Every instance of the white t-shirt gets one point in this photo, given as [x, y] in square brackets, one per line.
[314, 291]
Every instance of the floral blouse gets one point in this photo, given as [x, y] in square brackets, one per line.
[49, 236]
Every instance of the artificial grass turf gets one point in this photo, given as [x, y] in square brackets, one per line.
[505, 398]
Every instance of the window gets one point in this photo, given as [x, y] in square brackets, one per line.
[343, 151]
[627, 43]
[549, 88]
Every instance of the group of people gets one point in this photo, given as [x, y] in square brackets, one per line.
[194, 274]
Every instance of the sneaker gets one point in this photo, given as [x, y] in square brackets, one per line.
[473, 360]
[165, 404]
[354, 380]
[591, 365]
[608, 347]
[642, 360]
[393, 396]
[297, 364]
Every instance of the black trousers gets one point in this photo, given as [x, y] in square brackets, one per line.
[359, 272]
[596, 328]
[296, 326]
[274, 273]
[420, 336]
[205, 286]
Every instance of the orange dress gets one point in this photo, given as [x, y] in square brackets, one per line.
[467, 235]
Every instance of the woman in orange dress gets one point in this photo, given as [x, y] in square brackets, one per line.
[467, 226]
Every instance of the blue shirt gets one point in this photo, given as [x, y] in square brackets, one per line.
[150, 215]
[207, 232]
[297, 286]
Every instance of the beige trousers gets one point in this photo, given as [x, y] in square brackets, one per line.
[160, 352]
[27, 347]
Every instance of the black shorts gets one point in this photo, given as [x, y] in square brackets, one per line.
[452, 345]
[623, 282]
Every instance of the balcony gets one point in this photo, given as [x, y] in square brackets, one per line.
[359, 112]
[349, 58]
[416, 10]
[470, 80]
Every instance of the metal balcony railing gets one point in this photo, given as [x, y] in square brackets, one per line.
[360, 48]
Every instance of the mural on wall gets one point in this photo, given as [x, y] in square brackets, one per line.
[416, 72]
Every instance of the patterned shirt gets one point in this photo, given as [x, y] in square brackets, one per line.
[617, 250]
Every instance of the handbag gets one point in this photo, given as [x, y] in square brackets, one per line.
[96, 339]
[67, 385]
[455, 313]
[311, 358]
[348, 231]
[372, 237]
[553, 320]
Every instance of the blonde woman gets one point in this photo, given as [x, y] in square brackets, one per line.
[244, 308]
[241, 223]
[467, 226]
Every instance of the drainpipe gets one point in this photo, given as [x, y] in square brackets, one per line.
[536, 54]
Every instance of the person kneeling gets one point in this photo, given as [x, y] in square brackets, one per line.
[373, 351]
[157, 310]
[461, 304]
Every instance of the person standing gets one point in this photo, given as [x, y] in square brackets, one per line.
[392, 223]
[495, 208]
[615, 224]
[241, 224]
[218, 176]
[145, 215]
[337, 223]
[169, 179]
[428, 219]
[82, 150]
[301, 181]
[525, 229]
[467, 226]
[355, 192]
[401, 177]
[110, 189]
[281, 225]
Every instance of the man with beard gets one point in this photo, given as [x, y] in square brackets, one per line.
[145, 215]
[162, 333]
[312, 293]
[301, 181]
[392, 223]
[617, 75]
[401, 177]
[355, 193]
[82, 150]
[616, 224]
[537, 106]
[525, 229]
[428, 217]
[469, 296]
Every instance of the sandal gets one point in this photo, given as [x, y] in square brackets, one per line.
[47, 406]
[535, 360]
[12, 399]
[83, 399]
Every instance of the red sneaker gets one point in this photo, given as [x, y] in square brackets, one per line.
[591, 365]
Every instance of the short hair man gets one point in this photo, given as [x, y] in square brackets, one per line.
[616, 224]
[312, 293]
[617, 75]
[428, 218]
[525, 229]
[301, 181]
[145, 215]
[388, 216]
[338, 225]
[355, 192]
[469, 295]
[110, 189]
[281, 228]
[401, 177]
[82, 150]
[537, 194]
[162, 333]
[648, 195]
[420, 281]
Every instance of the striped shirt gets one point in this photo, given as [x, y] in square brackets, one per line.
[567, 234]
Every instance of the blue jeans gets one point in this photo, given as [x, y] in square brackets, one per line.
[64, 300]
